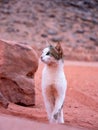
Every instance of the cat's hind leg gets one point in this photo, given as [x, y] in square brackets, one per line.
[57, 114]
[49, 105]
[61, 117]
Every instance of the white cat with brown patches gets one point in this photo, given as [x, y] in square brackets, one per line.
[54, 83]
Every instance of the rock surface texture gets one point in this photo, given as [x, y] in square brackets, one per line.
[73, 23]
[18, 63]
[3, 101]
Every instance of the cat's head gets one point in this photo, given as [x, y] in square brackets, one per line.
[52, 54]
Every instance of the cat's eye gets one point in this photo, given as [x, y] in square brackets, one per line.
[48, 53]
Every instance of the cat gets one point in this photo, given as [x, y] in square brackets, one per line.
[54, 83]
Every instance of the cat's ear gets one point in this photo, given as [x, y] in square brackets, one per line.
[59, 49]
[48, 43]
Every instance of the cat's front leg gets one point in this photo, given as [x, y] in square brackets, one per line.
[61, 117]
[57, 114]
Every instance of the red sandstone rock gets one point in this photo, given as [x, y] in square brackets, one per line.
[3, 101]
[18, 63]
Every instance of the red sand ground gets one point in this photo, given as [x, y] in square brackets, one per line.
[81, 103]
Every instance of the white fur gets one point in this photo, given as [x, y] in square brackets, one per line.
[53, 75]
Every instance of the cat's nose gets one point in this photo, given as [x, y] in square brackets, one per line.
[41, 57]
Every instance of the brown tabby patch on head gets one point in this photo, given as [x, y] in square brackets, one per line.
[56, 52]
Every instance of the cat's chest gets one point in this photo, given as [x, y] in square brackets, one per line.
[52, 76]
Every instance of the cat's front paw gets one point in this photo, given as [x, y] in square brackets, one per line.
[56, 115]
[54, 118]
[57, 118]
